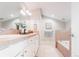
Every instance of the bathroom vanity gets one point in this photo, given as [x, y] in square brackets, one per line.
[19, 45]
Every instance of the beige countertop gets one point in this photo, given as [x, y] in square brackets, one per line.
[11, 39]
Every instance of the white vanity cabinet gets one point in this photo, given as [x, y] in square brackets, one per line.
[14, 49]
[32, 47]
[22, 47]
[34, 44]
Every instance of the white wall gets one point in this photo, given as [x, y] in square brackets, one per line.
[75, 29]
[9, 24]
[68, 25]
[12, 24]
[59, 9]
[0, 24]
[56, 25]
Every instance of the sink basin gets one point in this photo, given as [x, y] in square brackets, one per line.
[2, 47]
[4, 38]
[12, 39]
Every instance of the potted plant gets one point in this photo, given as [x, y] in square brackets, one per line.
[23, 26]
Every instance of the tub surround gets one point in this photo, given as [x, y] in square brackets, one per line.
[65, 52]
[63, 42]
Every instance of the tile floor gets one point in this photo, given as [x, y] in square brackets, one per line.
[47, 49]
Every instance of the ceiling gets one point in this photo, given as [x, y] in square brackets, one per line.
[8, 8]
[57, 9]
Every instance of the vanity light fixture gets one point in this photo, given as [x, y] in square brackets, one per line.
[27, 11]
[22, 12]
[11, 15]
[53, 15]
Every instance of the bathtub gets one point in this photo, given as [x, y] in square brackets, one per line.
[65, 43]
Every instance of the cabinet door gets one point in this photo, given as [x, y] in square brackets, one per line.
[25, 52]
[37, 43]
[36, 46]
[31, 48]
[33, 45]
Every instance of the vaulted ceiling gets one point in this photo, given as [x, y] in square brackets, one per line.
[58, 9]
[8, 8]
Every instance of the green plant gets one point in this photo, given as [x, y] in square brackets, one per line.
[23, 26]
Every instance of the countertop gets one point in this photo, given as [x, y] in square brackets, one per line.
[11, 39]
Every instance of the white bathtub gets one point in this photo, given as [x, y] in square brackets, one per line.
[65, 43]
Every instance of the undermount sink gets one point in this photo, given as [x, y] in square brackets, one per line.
[7, 40]
[2, 47]
[11, 38]
[4, 38]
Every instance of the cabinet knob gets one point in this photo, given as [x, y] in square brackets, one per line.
[25, 51]
[22, 55]
[72, 35]
[30, 40]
